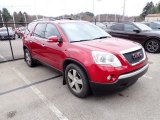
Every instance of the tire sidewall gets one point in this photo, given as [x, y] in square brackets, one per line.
[85, 90]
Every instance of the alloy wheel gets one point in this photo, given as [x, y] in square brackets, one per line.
[152, 46]
[28, 57]
[75, 81]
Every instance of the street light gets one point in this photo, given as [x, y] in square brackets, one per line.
[94, 16]
[124, 6]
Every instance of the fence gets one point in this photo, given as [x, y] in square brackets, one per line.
[11, 44]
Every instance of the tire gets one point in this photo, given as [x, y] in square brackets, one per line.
[152, 46]
[77, 81]
[28, 59]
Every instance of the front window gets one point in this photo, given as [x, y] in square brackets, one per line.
[129, 27]
[143, 27]
[51, 30]
[81, 31]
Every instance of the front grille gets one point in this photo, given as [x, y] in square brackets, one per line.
[134, 56]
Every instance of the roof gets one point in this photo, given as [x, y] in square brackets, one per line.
[153, 15]
[58, 21]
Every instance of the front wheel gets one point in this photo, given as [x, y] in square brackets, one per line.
[152, 46]
[77, 81]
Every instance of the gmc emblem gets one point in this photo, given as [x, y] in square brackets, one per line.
[137, 55]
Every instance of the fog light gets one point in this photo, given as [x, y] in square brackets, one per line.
[109, 77]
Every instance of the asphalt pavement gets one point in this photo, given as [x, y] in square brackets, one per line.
[38, 94]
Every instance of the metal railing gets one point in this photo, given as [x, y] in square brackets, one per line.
[11, 44]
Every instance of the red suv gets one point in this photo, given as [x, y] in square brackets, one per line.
[89, 58]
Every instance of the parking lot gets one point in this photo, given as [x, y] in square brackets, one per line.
[5, 49]
[38, 94]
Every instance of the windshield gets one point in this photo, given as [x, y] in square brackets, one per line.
[143, 27]
[81, 31]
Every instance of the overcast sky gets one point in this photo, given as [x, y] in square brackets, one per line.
[59, 7]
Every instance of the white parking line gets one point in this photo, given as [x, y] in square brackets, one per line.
[49, 104]
[148, 77]
[3, 57]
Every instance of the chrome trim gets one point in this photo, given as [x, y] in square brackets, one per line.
[133, 73]
[131, 50]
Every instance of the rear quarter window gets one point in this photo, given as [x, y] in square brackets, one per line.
[30, 27]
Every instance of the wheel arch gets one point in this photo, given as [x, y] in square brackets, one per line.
[69, 61]
[150, 38]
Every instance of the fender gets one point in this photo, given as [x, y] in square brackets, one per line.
[71, 60]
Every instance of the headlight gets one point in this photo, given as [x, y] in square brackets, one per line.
[105, 58]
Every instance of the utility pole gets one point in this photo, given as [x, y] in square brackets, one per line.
[124, 6]
[14, 21]
[25, 18]
[94, 15]
[2, 19]
[94, 18]
[37, 17]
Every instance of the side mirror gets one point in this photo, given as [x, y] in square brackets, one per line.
[136, 30]
[53, 39]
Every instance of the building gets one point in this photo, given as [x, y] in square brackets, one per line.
[152, 17]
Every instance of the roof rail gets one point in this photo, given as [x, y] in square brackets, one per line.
[46, 18]
[53, 19]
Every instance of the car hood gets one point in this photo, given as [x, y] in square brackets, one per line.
[113, 45]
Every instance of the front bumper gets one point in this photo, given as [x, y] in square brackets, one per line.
[122, 82]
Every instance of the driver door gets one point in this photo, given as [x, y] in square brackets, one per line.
[131, 34]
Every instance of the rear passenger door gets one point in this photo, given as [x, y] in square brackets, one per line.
[37, 41]
[132, 35]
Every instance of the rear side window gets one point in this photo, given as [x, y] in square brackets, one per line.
[118, 27]
[51, 30]
[40, 30]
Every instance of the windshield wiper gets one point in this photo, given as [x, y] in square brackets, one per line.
[101, 37]
[81, 40]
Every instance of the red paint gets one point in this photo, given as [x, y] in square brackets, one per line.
[54, 54]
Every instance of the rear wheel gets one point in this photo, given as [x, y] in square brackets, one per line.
[152, 46]
[29, 60]
[77, 80]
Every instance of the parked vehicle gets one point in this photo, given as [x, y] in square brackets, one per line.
[153, 25]
[138, 32]
[88, 57]
[101, 25]
[20, 31]
[4, 34]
